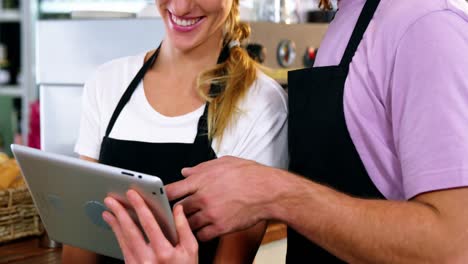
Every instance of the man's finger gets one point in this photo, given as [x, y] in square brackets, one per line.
[191, 204]
[187, 172]
[181, 189]
[148, 222]
[208, 232]
[202, 167]
[198, 221]
[186, 237]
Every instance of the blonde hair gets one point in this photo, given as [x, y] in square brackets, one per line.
[235, 75]
[325, 4]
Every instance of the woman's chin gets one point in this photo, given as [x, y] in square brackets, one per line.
[184, 48]
[183, 44]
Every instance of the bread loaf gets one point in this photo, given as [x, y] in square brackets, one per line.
[9, 172]
[3, 157]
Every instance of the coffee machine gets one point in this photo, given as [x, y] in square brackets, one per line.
[284, 47]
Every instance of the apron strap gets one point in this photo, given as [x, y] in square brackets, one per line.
[202, 129]
[362, 24]
[131, 88]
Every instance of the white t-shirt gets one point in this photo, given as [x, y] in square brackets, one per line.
[259, 133]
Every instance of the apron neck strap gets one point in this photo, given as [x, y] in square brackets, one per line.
[214, 89]
[362, 24]
[131, 88]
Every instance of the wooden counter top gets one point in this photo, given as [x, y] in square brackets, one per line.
[27, 251]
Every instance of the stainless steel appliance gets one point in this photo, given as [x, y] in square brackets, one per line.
[287, 46]
[67, 53]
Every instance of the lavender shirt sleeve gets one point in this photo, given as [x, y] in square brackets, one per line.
[429, 104]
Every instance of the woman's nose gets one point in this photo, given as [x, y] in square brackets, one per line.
[182, 7]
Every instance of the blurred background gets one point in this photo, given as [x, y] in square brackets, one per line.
[32, 30]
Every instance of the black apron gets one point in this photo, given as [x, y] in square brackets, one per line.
[320, 146]
[166, 160]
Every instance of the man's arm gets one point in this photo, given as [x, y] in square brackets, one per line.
[431, 228]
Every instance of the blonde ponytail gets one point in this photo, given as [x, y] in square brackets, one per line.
[235, 75]
[325, 4]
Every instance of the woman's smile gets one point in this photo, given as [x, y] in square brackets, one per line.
[184, 24]
[193, 23]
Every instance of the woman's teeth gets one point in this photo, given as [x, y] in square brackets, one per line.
[184, 22]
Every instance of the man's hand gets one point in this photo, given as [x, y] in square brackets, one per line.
[225, 195]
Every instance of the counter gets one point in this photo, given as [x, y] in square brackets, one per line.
[28, 251]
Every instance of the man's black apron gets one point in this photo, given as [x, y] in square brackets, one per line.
[165, 160]
[320, 146]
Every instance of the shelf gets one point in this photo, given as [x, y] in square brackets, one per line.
[11, 90]
[131, 6]
[10, 16]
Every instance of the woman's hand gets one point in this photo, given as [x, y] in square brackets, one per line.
[159, 249]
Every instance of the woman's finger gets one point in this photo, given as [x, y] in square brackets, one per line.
[127, 251]
[186, 237]
[129, 230]
[149, 224]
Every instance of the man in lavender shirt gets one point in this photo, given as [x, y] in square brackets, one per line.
[381, 141]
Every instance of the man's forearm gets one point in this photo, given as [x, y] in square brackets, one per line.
[365, 231]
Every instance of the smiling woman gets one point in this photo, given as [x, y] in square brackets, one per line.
[237, 73]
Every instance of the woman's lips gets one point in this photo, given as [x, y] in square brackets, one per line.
[184, 24]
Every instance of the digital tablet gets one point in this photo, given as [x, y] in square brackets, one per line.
[69, 195]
